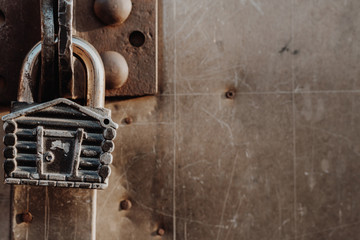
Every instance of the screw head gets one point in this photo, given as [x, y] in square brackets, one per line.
[27, 217]
[125, 204]
[230, 94]
[128, 120]
[160, 232]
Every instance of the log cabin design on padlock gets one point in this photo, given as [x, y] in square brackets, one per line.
[58, 143]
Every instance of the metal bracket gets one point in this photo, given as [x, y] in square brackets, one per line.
[135, 39]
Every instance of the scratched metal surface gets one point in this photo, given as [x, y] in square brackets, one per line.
[279, 161]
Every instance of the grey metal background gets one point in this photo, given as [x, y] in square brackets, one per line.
[279, 161]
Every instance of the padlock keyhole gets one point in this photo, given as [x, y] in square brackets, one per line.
[49, 157]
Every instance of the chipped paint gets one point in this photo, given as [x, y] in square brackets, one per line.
[58, 144]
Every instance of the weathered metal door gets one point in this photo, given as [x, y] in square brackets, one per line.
[254, 132]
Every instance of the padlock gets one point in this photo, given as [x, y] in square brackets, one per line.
[60, 143]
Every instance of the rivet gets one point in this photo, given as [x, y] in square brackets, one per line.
[105, 171]
[107, 146]
[9, 152]
[106, 158]
[26, 217]
[160, 232]
[230, 94]
[9, 126]
[109, 133]
[9, 166]
[128, 120]
[112, 11]
[116, 69]
[125, 204]
[10, 139]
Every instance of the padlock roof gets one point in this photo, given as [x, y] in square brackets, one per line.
[104, 120]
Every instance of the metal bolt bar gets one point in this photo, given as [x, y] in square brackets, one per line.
[48, 81]
[65, 50]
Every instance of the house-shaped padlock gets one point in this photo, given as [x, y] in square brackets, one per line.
[58, 143]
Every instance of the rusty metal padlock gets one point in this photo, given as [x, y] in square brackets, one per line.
[60, 143]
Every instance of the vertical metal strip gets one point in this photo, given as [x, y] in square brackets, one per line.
[47, 85]
[77, 151]
[65, 51]
[40, 151]
[93, 215]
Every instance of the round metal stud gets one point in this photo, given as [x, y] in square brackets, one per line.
[125, 204]
[160, 232]
[230, 94]
[9, 152]
[107, 146]
[109, 133]
[104, 171]
[9, 166]
[116, 69]
[112, 11]
[10, 139]
[128, 120]
[9, 126]
[106, 158]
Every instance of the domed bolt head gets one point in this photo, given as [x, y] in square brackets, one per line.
[125, 204]
[160, 232]
[112, 12]
[26, 217]
[116, 69]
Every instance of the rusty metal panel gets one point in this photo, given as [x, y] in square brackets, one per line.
[248, 143]
[141, 172]
[135, 39]
[142, 59]
[58, 213]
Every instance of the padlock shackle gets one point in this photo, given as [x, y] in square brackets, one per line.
[94, 70]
